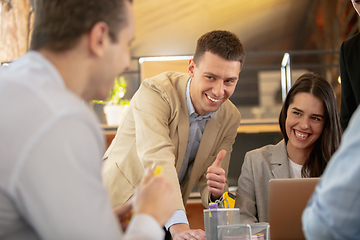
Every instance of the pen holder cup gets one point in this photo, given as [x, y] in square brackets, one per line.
[213, 218]
[244, 232]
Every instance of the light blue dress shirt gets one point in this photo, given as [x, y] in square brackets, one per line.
[197, 125]
[333, 211]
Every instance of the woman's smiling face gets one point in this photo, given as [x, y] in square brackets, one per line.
[305, 122]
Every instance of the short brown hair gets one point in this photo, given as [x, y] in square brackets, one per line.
[222, 43]
[329, 140]
[59, 24]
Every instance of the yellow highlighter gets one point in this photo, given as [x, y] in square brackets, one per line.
[157, 170]
[228, 200]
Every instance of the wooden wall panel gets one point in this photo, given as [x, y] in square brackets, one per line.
[152, 68]
[14, 28]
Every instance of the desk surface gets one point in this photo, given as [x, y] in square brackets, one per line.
[258, 128]
[243, 128]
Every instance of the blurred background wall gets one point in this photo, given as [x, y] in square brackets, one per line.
[311, 31]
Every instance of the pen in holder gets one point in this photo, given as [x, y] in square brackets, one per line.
[220, 213]
[227, 200]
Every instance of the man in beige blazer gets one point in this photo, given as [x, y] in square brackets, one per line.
[181, 122]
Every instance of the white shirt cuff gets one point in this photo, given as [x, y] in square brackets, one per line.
[143, 226]
[178, 217]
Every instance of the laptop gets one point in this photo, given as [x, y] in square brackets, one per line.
[287, 200]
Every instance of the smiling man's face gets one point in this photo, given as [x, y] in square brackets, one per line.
[213, 81]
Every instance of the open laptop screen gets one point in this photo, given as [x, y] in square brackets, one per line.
[287, 200]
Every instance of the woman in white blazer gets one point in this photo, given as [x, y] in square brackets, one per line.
[310, 124]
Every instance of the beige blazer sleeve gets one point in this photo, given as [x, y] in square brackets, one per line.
[260, 165]
[146, 135]
[155, 129]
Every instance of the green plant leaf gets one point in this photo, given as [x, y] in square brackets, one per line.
[117, 93]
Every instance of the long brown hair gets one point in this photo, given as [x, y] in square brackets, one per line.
[329, 140]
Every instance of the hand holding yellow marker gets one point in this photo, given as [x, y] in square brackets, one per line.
[156, 172]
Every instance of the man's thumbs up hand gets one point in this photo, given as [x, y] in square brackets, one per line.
[216, 177]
